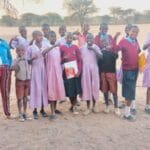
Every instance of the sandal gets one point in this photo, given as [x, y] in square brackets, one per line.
[21, 118]
[35, 114]
[44, 114]
[129, 118]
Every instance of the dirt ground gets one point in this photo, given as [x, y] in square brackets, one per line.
[68, 132]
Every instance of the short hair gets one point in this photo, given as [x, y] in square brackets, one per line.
[22, 27]
[133, 26]
[45, 26]
[62, 26]
[33, 34]
[69, 34]
[36, 32]
[85, 23]
[52, 33]
[20, 46]
[128, 26]
[90, 35]
[103, 24]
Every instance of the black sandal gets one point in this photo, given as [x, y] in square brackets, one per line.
[44, 114]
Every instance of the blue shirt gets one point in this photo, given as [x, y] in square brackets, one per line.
[68, 44]
[5, 54]
[131, 40]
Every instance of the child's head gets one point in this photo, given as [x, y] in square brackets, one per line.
[46, 29]
[69, 37]
[20, 50]
[90, 39]
[23, 31]
[33, 35]
[133, 32]
[37, 35]
[62, 30]
[127, 29]
[103, 28]
[85, 28]
[103, 43]
[52, 37]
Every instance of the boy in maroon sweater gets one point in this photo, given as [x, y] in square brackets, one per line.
[130, 49]
[70, 53]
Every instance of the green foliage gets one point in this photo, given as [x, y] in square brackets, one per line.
[53, 19]
[30, 19]
[106, 18]
[8, 21]
[80, 8]
[79, 11]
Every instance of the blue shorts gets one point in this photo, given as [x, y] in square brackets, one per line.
[129, 84]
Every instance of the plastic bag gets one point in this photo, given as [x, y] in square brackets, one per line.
[142, 61]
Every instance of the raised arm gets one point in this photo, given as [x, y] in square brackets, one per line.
[13, 42]
[96, 50]
[49, 48]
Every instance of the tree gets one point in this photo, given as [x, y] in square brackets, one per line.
[8, 21]
[116, 13]
[29, 19]
[106, 19]
[139, 18]
[10, 8]
[80, 8]
[147, 15]
[128, 15]
[95, 20]
[54, 19]
[72, 21]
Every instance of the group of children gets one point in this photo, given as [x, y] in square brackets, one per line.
[42, 75]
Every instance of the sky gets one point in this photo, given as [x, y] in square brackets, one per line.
[57, 6]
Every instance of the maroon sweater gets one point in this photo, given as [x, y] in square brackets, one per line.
[130, 53]
[70, 54]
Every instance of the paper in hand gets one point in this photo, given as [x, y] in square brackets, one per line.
[71, 69]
